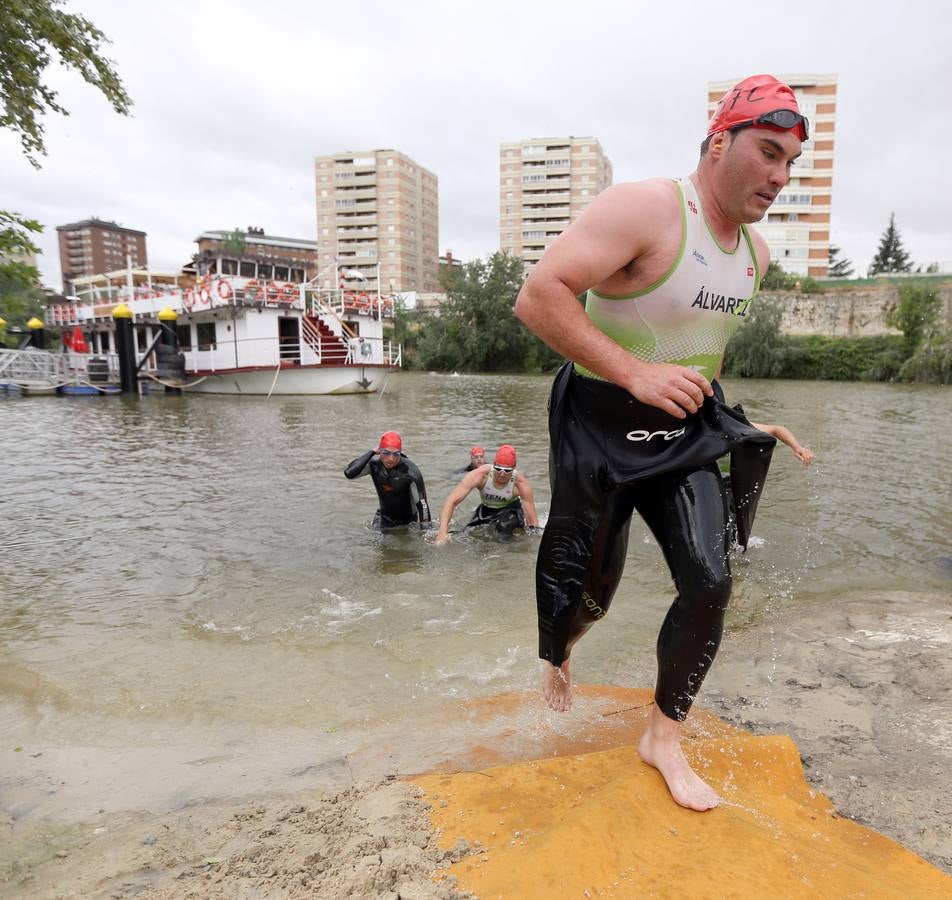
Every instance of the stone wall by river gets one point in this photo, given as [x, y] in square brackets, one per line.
[850, 313]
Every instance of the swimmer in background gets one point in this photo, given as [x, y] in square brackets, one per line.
[782, 433]
[398, 481]
[505, 495]
[477, 458]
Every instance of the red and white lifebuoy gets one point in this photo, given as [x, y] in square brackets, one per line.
[290, 292]
[224, 290]
[272, 292]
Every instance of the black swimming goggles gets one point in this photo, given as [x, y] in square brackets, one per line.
[779, 118]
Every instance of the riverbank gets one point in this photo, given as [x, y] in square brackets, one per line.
[863, 686]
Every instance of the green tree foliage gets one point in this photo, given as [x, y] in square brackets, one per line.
[915, 316]
[234, 241]
[775, 279]
[932, 362]
[839, 268]
[31, 31]
[891, 256]
[475, 330]
[20, 298]
[757, 348]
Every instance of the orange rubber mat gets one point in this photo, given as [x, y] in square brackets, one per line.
[602, 824]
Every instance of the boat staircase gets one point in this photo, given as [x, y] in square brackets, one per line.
[331, 349]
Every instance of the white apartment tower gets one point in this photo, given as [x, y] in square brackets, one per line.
[797, 226]
[544, 183]
[377, 208]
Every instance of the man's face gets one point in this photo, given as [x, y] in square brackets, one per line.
[389, 458]
[477, 459]
[752, 167]
[501, 475]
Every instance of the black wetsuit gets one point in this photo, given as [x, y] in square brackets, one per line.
[400, 489]
[505, 520]
[611, 454]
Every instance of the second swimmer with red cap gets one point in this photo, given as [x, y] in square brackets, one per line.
[506, 500]
[398, 481]
[477, 457]
[636, 418]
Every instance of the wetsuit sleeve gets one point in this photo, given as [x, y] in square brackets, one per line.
[418, 493]
[360, 466]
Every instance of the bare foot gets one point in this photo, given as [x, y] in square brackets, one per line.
[557, 686]
[660, 747]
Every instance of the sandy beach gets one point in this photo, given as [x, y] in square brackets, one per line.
[863, 687]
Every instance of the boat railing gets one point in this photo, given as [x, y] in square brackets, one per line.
[289, 351]
[30, 364]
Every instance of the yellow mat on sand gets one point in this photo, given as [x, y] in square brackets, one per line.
[602, 824]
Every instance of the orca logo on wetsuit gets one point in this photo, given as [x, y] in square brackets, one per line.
[648, 435]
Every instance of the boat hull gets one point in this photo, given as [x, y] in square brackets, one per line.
[290, 380]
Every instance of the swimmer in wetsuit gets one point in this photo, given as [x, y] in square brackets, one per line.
[398, 482]
[636, 420]
[477, 457]
[506, 500]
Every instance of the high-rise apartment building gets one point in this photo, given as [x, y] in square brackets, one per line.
[377, 208]
[93, 247]
[797, 226]
[544, 183]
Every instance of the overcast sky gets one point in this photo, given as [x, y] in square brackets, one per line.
[234, 99]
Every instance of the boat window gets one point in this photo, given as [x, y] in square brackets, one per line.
[229, 266]
[205, 335]
[246, 269]
[184, 333]
[142, 343]
[264, 271]
[280, 273]
[297, 275]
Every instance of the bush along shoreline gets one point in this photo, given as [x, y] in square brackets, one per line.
[475, 331]
[921, 353]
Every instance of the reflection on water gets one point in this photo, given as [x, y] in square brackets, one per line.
[201, 563]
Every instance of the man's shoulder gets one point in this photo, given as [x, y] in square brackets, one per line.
[661, 191]
[761, 250]
[656, 201]
[477, 477]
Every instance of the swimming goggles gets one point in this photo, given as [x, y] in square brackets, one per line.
[779, 118]
[389, 452]
[506, 470]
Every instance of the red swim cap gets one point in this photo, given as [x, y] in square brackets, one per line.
[476, 451]
[390, 440]
[506, 455]
[751, 98]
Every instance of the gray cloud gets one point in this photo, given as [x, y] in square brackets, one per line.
[233, 100]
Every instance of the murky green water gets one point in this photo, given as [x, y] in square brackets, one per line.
[195, 573]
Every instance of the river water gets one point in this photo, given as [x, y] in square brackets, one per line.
[192, 579]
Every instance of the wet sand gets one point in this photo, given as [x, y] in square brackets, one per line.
[862, 685]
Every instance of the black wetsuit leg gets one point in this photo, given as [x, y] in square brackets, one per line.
[505, 520]
[688, 513]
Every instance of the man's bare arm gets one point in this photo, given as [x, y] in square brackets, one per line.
[524, 492]
[474, 479]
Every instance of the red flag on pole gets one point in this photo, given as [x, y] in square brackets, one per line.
[78, 342]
